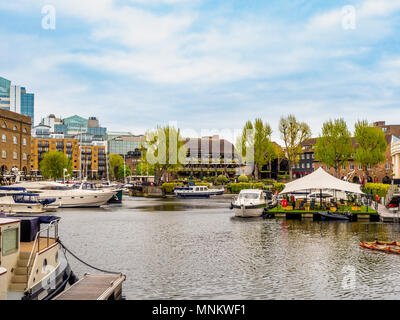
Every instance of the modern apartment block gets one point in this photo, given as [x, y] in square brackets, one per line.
[16, 99]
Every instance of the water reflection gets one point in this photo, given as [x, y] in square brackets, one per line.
[196, 249]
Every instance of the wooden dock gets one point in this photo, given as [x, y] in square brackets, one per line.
[95, 287]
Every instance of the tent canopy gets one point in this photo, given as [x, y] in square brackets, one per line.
[320, 179]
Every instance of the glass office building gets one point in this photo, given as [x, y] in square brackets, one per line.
[16, 99]
[28, 104]
[76, 124]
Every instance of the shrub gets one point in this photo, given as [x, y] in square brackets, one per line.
[279, 186]
[243, 178]
[221, 179]
[237, 187]
[283, 176]
[375, 189]
[169, 187]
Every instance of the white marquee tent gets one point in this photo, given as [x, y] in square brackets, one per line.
[321, 180]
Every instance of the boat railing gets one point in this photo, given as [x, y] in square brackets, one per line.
[53, 225]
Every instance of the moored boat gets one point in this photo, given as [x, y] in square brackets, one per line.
[193, 191]
[16, 200]
[332, 216]
[249, 203]
[69, 197]
[32, 264]
[388, 247]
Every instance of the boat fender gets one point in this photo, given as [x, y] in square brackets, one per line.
[72, 278]
[231, 206]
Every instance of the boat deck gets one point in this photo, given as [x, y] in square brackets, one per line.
[95, 287]
[42, 242]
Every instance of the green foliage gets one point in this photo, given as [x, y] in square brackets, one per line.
[334, 147]
[143, 168]
[115, 161]
[121, 172]
[255, 143]
[371, 145]
[169, 187]
[203, 184]
[293, 134]
[237, 187]
[221, 179]
[283, 176]
[243, 178]
[53, 165]
[165, 150]
[375, 189]
[279, 186]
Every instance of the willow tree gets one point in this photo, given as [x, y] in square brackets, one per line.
[115, 162]
[334, 147]
[371, 145]
[165, 151]
[53, 164]
[255, 144]
[293, 134]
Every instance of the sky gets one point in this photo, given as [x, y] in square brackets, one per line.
[206, 66]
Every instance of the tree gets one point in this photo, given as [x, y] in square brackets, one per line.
[256, 141]
[165, 151]
[53, 164]
[294, 134]
[371, 145]
[334, 147]
[122, 174]
[116, 161]
[143, 168]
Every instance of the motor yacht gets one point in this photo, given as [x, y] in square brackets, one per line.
[69, 197]
[14, 200]
[32, 264]
[193, 191]
[249, 203]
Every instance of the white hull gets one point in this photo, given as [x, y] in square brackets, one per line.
[21, 208]
[248, 213]
[73, 201]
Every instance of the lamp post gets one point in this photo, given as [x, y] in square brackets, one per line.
[64, 171]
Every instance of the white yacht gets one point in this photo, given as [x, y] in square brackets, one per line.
[32, 264]
[69, 197]
[249, 203]
[14, 200]
[196, 192]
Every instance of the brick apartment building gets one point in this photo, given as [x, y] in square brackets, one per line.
[15, 132]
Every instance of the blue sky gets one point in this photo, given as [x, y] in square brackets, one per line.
[206, 65]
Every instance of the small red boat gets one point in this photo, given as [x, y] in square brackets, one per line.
[388, 247]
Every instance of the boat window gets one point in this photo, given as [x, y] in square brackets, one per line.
[248, 196]
[10, 241]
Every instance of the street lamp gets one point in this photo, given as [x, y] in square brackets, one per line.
[64, 171]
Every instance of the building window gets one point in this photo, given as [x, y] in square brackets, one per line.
[15, 140]
[308, 166]
[387, 166]
[302, 156]
[25, 131]
[302, 165]
[24, 141]
[15, 155]
[3, 138]
[352, 167]
[15, 128]
[359, 167]
[24, 156]
[307, 156]
[4, 154]
[343, 167]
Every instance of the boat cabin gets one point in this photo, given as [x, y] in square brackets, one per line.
[27, 255]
